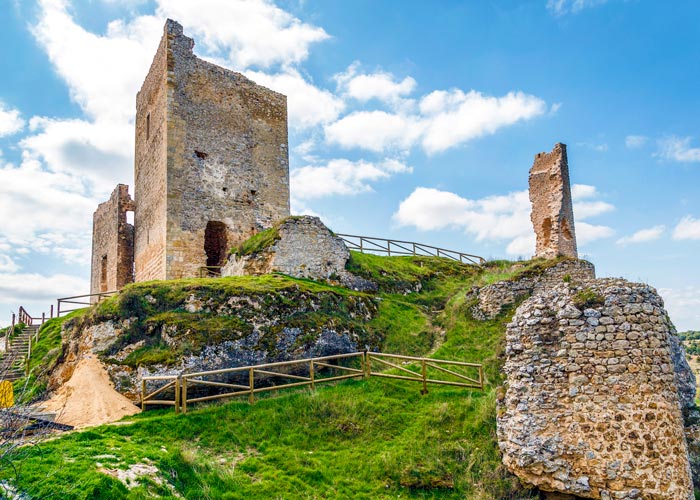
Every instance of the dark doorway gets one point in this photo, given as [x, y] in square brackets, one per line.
[215, 243]
[103, 274]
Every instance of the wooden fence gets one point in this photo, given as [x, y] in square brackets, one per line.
[366, 244]
[305, 372]
[66, 304]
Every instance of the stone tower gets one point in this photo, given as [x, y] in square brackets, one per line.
[112, 243]
[211, 162]
[552, 211]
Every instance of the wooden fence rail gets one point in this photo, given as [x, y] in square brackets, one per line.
[306, 372]
[82, 300]
[367, 244]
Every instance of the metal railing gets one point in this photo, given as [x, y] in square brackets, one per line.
[242, 381]
[83, 300]
[367, 244]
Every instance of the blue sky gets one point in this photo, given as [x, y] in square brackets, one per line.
[408, 119]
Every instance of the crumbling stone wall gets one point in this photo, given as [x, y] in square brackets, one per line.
[552, 211]
[150, 168]
[211, 161]
[594, 394]
[306, 248]
[112, 243]
[493, 298]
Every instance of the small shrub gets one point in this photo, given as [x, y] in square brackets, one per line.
[587, 298]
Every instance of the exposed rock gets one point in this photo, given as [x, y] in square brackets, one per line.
[493, 298]
[595, 390]
[227, 330]
[306, 248]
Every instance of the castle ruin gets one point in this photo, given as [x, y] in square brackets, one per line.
[211, 170]
[552, 210]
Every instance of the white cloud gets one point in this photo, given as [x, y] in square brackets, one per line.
[100, 152]
[587, 209]
[455, 117]
[445, 119]
[643, 235]
[493, 218]
[683, 306]
[600, 148]
[583, 191]
[687, 229]
[7, 264]
[375, 131]
[587, 233]
[379, 85]
[50, 213]
[678, 149]
[341, 177]
[39, 290]
[11, 120]
[248, 32]
[636, 141]
[561, 7]
[307, 104]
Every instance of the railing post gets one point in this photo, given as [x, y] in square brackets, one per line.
[251, 382]
[9, 332]
[388, 247]
[177, 395]
[183, 398]
[481, 376]
[143, 394]
[51, 311]
[368, 364]
[424, 371]
[58, 308]
[311, 374]
[362, 249]
[43, 318]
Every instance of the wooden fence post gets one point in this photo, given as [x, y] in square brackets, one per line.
[51, 311]
[424, 371]
[481, 376]
[311, 374]
[143, 394]
[183, 399]
[251, 382]
[177, 395]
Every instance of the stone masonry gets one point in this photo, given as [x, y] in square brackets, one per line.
[211, 162]
[595, 393]
[493, 298]
[552, 211]
[112, 243]
[306, 248]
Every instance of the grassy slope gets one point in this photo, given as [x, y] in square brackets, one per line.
[359, 439]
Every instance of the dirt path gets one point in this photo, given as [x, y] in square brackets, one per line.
[88, 398]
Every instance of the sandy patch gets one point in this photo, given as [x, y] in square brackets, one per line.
[89, 398]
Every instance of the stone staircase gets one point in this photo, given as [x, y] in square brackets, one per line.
[12, 362]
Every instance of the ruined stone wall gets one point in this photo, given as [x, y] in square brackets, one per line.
[493, 298]
[594, 394]
[552, 211]
[306, 248]
[217, 168]
[150, 168]
[112, 243]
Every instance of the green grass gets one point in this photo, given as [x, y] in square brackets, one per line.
[360, 439]
[374, 439]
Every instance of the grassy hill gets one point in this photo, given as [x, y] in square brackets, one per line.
[374, 438]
